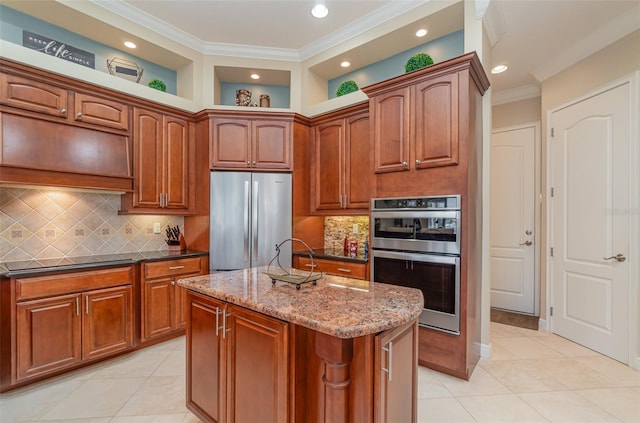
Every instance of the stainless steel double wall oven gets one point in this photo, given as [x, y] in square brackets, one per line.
[416, 243]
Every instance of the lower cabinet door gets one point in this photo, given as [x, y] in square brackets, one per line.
[157, 308]
[107, 322]
[48, 335]
[396, 379]
[205, 375]
[257, 372]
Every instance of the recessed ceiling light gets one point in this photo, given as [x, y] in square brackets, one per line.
[421, 32]
[255, 76]
[319, 11]
[345, 64]
[499, 69]
[130, 44]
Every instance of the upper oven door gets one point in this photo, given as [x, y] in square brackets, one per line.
[423, 231]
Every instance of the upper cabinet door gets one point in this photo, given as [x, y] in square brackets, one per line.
[271, 144]
[147, 158]
[35, 96]
[100, 111]
[391, 130]
[436, 123]
[176, 156]
[357, 162]
[327, 178]
[231, 146]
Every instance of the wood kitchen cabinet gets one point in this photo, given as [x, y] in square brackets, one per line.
[45, 98]
[335, 267]
[161, 164]
[246, 354]
[340, 172]
[163, 302]
[62, 320]
[251, 141]
[396, 377]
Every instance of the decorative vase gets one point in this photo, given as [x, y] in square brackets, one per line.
[243, 97]
[265, 101]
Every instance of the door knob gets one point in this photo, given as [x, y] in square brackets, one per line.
[617, 257]
[527, 243]
[528, 232]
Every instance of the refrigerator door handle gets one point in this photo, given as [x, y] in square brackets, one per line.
[254, 225]
[246, 220]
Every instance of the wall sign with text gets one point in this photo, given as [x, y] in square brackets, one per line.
[58, 49]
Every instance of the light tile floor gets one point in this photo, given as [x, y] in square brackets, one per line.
[531, 377]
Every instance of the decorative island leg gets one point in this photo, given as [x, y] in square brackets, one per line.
[336, 354]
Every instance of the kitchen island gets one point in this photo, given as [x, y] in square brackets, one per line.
[342, 350]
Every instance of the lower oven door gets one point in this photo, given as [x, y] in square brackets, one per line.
[437, 276]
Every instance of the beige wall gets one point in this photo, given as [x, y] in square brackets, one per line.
[516, 113]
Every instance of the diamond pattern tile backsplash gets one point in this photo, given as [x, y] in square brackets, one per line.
[41, 224]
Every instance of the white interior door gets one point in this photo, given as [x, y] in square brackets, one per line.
[590, 218]
[513, 219]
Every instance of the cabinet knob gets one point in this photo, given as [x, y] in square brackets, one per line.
[173, 283]
[63, 111]
[248, 163]
[79, 115]
[254, 162]
[405, 164]
[418, 162]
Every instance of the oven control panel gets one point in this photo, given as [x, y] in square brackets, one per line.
[448, 202]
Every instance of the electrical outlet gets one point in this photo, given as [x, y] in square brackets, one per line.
[156, 228]
[355, 228]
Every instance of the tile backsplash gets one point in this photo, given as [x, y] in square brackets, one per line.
[336, 227]
[40, 224]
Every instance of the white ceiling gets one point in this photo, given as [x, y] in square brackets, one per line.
[536, 38]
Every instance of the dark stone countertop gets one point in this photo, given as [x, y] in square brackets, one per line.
[29, 267]
[331, 254]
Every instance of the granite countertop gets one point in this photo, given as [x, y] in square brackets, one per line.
[28, 267]
[332, 254]
[337, 306]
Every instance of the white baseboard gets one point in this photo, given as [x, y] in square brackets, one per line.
[485, 350]
[542, 325]
[634, 362]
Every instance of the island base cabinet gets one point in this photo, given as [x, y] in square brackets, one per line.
[237, 363]
[244, 366]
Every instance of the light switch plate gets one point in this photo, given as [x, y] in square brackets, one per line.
[355, 228]
[156, 228]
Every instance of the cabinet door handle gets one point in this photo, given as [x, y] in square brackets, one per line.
[86, 304]
[345, 201]
[389, 360]
[166, 200]
[77, 306]
[217, 320]
[161, 195]
[224, 323]
[311, 265]
[176, 267]
[344, 270]
[340, 200]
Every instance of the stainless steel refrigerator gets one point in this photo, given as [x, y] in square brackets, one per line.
[250, 215]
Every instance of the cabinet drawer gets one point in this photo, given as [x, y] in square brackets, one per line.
[164, 268]
[63, 283]
[335, 267]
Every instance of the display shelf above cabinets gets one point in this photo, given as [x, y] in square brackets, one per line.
[238, 86]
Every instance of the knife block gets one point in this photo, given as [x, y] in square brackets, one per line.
[178, 248]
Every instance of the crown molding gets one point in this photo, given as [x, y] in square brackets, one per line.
[522, 92]
[614, 30]
[371, 20]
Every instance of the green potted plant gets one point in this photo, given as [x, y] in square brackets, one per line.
[418, 61]
[346, 87]
[158, 85]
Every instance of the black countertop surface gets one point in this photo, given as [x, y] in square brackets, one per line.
[18, 268]
[331, 254]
